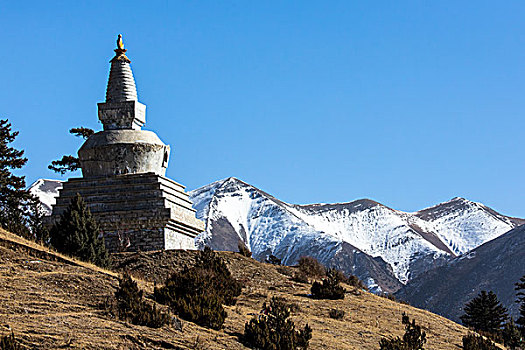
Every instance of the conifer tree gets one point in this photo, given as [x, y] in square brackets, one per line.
[272, 329]
[77, 234]
[413, 339]
[13, 195]
[485, 313]
[68, 162]
[38, 229]
[329, 288]
[511, 335]
[520, 288]
[473, 341]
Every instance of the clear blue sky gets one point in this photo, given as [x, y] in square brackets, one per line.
[409, 103]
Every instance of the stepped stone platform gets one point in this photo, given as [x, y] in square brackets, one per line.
[136, 212]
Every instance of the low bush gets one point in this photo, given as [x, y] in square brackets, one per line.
[300, 276]
[285, 270]
[197, 294]
[8, 342]
[354, 281]
[243, 249]
[392, 297]
[272, 259]
[131, 306]
[336, 314]
[413, 339]
[477, 342]
[329, 288]
[311, 267]
[272, 330]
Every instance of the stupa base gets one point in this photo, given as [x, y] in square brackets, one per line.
[136, 212]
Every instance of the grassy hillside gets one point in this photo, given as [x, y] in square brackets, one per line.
[52, 301]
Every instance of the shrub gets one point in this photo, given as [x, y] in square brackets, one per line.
[300, 276]
[243, 249]
[197, 294]
[272, 329]
[311, 267]
[340, 275]
[354, 281]
[220, 278]
[76, 234]
[191, 295]
[272, 259]
[336, 314]
[329, 288]
[477, 342]
[8, 342]
[413, 339]
[392, 297]
[285, 270]
[132, 307]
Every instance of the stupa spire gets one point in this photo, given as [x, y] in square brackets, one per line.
[121, 84]
[122, 110]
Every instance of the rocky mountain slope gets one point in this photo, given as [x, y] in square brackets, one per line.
[382, 246]
[51, 301]
[495, 266]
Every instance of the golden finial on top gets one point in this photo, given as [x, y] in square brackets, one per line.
[120, 51]
[120, 44]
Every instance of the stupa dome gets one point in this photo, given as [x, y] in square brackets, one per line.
[122, 148]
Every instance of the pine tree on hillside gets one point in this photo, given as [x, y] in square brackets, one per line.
[473, 341]
[521, 319]
[520, 288]
[511, 336]
[13, 195]
[413, 339]
[272, 329]
[329, 288]
[77, 234]
[36, 225]
[484, 313]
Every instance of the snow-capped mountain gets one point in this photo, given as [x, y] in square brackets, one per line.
[47, 191]
[407, 243]
[384, 247]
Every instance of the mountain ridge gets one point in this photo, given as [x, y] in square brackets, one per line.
[384, 247]
[438, 233]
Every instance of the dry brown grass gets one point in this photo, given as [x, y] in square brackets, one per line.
[53, 301]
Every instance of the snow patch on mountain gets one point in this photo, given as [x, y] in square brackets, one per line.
[375, 229]
[47, 191]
